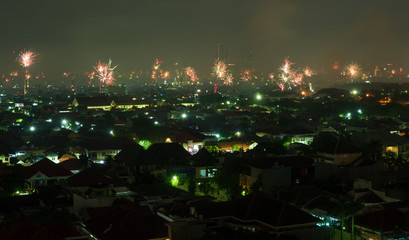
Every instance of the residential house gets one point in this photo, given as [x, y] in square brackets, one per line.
[190, 142]
[339, 153]
[395, 143]
[44, 173]
[91, 188]
[71, 164]
[167, 155]
[236, 145]
[277, 171]
[52, 156]
[205, 163]
[99, 149]
[125, 222]
[300, 134]
[259, 213]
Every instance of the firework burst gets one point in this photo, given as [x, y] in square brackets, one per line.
[220, 70]
[286, 67]
[352, 70]
[246, 75]
[229, 80]
[191, 73]
[26, 58]
[307, 71]
[221, 73]
[289, 78]
[105, 73]
[156, 71]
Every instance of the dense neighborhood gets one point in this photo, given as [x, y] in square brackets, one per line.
[180, 164]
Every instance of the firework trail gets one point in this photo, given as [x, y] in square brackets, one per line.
[281, 86]
[156, 71]
[26, 59]
[105, 73]
[220, 69]
[91, 76]
[286, 67]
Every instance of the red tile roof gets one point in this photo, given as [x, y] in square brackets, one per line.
[88, 177]
[47, 167]
[125, 222]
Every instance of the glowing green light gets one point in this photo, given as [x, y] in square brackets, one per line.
[174, 181]
[145, 143]
[259, 96]
[184, 115]
[32, 128]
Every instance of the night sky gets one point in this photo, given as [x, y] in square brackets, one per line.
[73, 35]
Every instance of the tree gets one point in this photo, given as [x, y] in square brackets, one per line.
[83, 161]
[345, 211]
[373, 150]
[10, 184]
[191, 184]
[394, 161]
[227, 178]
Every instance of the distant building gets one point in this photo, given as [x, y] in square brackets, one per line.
[129, 102]
[91, 103]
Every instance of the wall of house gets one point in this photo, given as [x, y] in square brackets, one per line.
[193, 147]
[304, 139]
[100, 155]
[40, 179]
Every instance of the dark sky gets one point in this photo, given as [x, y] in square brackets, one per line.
[72, 35]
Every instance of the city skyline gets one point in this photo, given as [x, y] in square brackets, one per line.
[73, 36]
